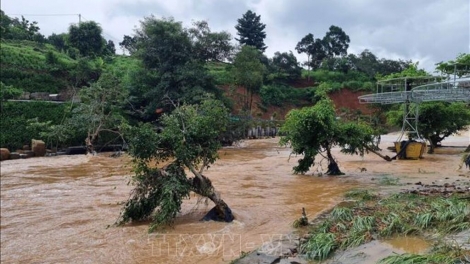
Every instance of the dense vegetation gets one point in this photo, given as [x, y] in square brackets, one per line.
[166, 99]
[64, 63]
[17, 118]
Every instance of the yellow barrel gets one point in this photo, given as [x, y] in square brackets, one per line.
[414, 150]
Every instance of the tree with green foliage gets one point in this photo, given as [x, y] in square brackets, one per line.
[338, 64]
[314, 48]
[51, 58]
[163, 44]
[412, 70]
[9, 92]
[460, 66]
[86, 37]
[5, 22]
[286, 65]
[436, 120]
[251, 31]
[208, 45]
[375, 68]
[109, 49]
[14, 28]
[171, 70]
[128, 43]
[366, 62]
[100, 110]
[248, 72]
[306, 45]
[315, 130]
[86, 71]
[58, 41]
[336, 42]
[188, 142]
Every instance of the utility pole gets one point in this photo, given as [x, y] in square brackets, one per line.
[79, 19]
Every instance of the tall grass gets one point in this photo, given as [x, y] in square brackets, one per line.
[372, 217]
[320, 246]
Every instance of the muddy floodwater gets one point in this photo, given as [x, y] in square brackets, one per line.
[62, 209]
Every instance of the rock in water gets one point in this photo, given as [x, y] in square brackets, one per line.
[14, 155]
[215, 215]
[38, 147]
[4, 154]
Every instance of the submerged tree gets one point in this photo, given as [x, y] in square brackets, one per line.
[188, 142]
[315, 130]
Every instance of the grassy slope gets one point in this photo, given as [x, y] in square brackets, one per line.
[23, 65]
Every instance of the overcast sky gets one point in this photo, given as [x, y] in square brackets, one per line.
[427, 31]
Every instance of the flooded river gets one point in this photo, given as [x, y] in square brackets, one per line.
[62, 209]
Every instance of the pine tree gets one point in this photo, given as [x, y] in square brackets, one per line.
[251, 31]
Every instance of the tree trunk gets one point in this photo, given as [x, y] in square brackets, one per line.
[431, 147]
[432, 144]
[89, 144]
[203, 186]
[308, 68]
[91, 137]
[220, 212]
[251, 101]
[387, 158]
[333, 168]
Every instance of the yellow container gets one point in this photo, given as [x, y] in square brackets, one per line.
[414, 150]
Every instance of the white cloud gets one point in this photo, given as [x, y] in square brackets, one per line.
[426, 30]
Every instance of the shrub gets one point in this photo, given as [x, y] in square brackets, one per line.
[14, 121]
[272, 95]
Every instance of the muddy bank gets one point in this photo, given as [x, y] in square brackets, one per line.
[439, 174]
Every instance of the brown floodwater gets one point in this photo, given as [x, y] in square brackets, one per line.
[410, 244]
[62, 209]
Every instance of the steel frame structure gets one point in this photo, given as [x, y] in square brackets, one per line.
[426, 89]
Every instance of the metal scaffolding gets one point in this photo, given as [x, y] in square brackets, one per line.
[411, 91]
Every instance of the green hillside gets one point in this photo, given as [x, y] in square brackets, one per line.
[34, 67]
[37, 67]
